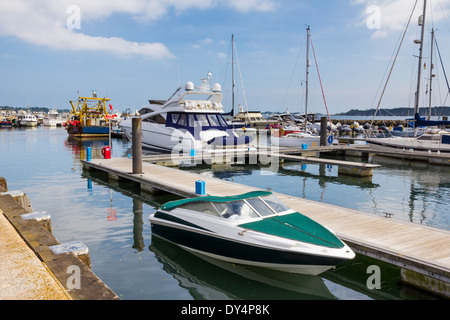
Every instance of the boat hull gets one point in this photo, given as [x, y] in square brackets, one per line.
[6, 124]
[53, 122]
[407, 144]
[88, 131]
[161, 137]
[28, 123]
[295, 142]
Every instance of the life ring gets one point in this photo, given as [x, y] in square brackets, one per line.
[330, 139]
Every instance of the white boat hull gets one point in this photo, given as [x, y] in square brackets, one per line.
[53, 122]
[407, 144]
[28, 123]
[296, 142]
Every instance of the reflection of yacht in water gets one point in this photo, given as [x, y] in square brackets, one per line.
[189, 119]
[212, 279]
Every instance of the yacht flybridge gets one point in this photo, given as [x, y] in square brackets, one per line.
[189, 119]
[254, 228]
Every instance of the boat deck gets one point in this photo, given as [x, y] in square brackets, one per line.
[411, 246]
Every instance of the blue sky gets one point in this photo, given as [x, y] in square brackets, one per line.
[135, 50]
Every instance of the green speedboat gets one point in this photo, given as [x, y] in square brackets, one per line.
[255, 229]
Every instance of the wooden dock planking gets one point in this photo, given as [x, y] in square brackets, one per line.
[406, 244]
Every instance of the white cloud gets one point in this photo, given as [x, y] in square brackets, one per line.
[45, 22]
[394, 13]
[253, 5]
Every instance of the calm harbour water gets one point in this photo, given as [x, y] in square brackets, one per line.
[112, 220]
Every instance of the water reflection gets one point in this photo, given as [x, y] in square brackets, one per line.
[138, 224]
[78, 147]
[207, 278]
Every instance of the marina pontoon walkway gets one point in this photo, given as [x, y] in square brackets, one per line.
[415, 247]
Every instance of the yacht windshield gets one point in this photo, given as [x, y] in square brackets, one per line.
[190, 121]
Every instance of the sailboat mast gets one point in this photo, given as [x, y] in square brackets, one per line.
[422, 24]
[232, 75]
[430, 89]
[307, 75]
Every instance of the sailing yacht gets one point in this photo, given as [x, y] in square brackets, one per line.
[298, 138]
[433, 140]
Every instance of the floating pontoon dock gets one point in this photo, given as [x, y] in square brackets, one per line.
[422, 252]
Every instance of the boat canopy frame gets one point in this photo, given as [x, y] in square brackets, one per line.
[253, 205]
[253, 194]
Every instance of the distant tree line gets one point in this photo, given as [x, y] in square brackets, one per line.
[32, 109]
[401, 111]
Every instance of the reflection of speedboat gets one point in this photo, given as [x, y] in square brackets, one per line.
[255, 228]
[212, 279]
[190, 119]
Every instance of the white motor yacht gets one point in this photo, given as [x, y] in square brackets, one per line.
[53, 119]
[189, 120]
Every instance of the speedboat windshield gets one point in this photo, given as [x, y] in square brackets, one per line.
[268, 205]
[236, 209]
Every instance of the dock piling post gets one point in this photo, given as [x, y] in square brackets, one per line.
[323, 131]
[136, 145]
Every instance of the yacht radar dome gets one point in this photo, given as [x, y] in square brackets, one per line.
[216, 87]
[189, 86]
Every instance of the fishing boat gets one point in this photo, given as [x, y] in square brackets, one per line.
[28, 120]
[434, 139]
[254, 228]
[88, 118]
[5, 123]
[191, 119]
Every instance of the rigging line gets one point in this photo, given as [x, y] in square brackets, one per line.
[240, 76]
[393, 63]
[442, 64]
[320, 80]
[292, 75]
[445, 18]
